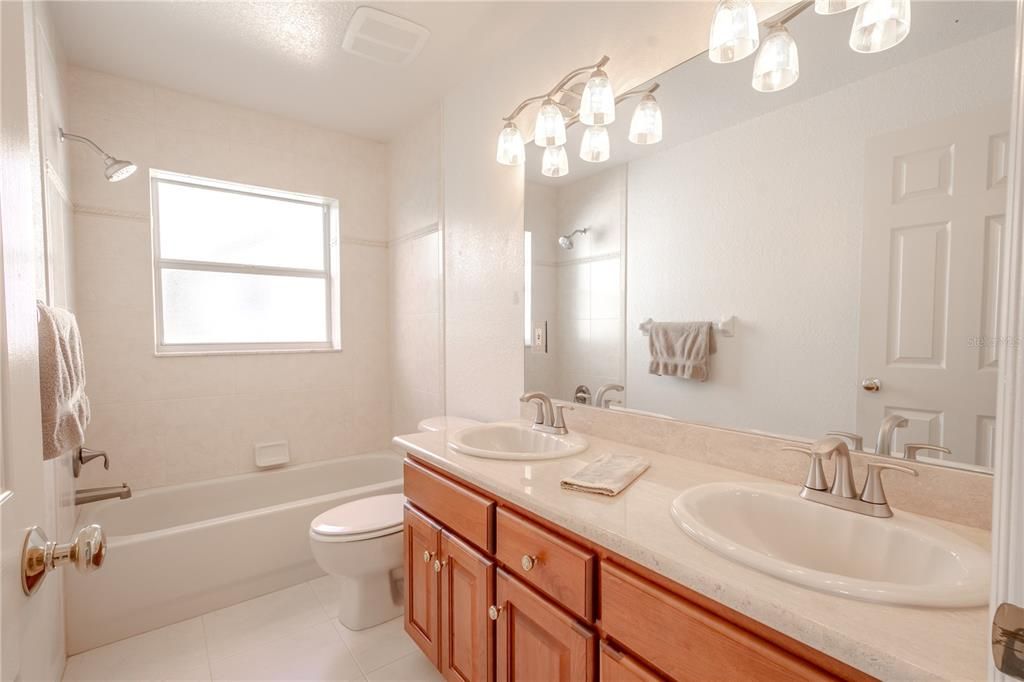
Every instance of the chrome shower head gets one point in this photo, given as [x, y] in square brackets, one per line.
[565, 241]
[116, 169]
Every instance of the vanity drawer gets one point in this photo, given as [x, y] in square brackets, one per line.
[558, 568]
[467, 513]
[616, 666]
[685, 641]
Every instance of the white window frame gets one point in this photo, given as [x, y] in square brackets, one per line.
[330, 273]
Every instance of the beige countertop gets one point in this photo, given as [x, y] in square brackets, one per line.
[889, 642]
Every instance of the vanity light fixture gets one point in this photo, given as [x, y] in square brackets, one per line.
[116, 169]
[778, 62]
[835, 6]
[734, 31]
[573, 101]
[879, 25]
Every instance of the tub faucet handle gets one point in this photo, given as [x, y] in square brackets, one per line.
[84, 456]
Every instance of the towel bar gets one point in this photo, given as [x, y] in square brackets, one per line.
[725, 327]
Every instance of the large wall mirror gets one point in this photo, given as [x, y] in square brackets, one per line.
[842, 237]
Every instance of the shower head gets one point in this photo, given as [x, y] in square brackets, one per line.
[116, 169]
[565, 241]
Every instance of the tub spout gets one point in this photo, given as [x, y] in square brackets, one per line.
[87, 495]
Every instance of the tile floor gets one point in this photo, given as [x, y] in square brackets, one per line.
[292, 634]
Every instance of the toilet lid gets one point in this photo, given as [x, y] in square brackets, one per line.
[365, 515]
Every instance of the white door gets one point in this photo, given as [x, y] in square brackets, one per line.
[933, 232]
[23, 654]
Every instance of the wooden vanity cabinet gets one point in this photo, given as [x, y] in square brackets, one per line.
[495, 592]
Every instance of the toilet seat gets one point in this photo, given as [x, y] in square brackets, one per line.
[362, 519]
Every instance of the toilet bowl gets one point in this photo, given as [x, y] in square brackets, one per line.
[360, 544]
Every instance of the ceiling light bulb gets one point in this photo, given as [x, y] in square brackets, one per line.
[879, 25]
[835, 6]
[511, 150]
[597, 107]
[778, 63]
[550, 128]
[555, 163]
[645, 128]
[596, 146]
[734, 32]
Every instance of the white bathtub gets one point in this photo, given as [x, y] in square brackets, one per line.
[180, 551]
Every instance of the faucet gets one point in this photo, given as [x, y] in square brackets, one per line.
[599, 399]
[842, 494]
[84, 456]
[550, 417]
[883, 446]
[87, 495]
[910, 450]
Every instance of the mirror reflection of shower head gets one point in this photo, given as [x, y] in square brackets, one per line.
[116, 169]
[566, 241]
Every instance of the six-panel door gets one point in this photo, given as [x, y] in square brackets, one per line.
[467, 633]
[538, 641]
[422, 597]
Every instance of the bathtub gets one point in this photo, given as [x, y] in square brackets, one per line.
[176, 552]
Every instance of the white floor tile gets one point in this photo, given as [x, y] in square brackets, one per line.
[326, 590]
[313, 653]
[272, 616]
[378, 646]
[175, 652]
[412, 668]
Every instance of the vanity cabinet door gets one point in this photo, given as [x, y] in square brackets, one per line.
[422, 540]
[467, 633]
[536, 640]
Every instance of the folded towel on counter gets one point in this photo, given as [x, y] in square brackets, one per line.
[681, 349]
[65, 407]
[607, 475]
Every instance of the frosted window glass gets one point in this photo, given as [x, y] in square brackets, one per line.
[205, 224]
[201, 307]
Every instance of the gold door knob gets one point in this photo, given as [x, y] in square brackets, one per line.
[427, 556]
[871, 385]
[438, 565]
[493, 612]
[528, 562]
[87, 551]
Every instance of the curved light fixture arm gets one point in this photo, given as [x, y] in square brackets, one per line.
[789, 15]
[85, 140]
[560, 87]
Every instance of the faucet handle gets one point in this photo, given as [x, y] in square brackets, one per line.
[856, 440]
[559, 422]
[816, 474]
[910, 450]
[874, 493]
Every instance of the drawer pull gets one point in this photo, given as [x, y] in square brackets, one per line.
[427, 556]
[438, 565]
[528, 562]
[493, 612]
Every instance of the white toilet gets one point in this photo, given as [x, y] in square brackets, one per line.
[360, 543]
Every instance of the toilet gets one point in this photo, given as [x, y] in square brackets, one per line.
[360, 544]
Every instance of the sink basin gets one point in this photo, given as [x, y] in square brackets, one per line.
[514, 440]
[902, 560]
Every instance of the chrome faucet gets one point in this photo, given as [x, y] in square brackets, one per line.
[842, 494]
[550, 417]
[883, 446]
[87, 495]
[599, 399]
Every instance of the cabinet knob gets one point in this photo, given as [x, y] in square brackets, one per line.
[438, 565]
[528, 562]
[493, 612]
[427, 556]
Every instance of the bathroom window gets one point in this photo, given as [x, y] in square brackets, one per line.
[243, 269]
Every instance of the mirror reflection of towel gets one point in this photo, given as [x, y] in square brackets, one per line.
[681, 349]
[65, 407]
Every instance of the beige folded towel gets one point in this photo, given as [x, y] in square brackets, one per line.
[64, 404]
[681, 349]
[607, 475]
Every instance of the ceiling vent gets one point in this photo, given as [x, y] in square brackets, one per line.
[383, 37]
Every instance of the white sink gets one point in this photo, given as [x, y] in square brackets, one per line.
[514, 440]
[901, 560]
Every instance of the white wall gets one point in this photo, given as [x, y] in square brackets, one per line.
[416, 287]
[763, 221]
[176, 419]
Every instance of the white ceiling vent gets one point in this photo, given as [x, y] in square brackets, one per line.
[383, 37]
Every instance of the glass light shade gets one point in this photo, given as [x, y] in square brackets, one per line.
[778, 63]
[596, 146]
[734, 32]
[555, 163]
[879, 25]
[645, 128]
[511, 149]
[550, 128]
[597, 107]
[835, 6]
